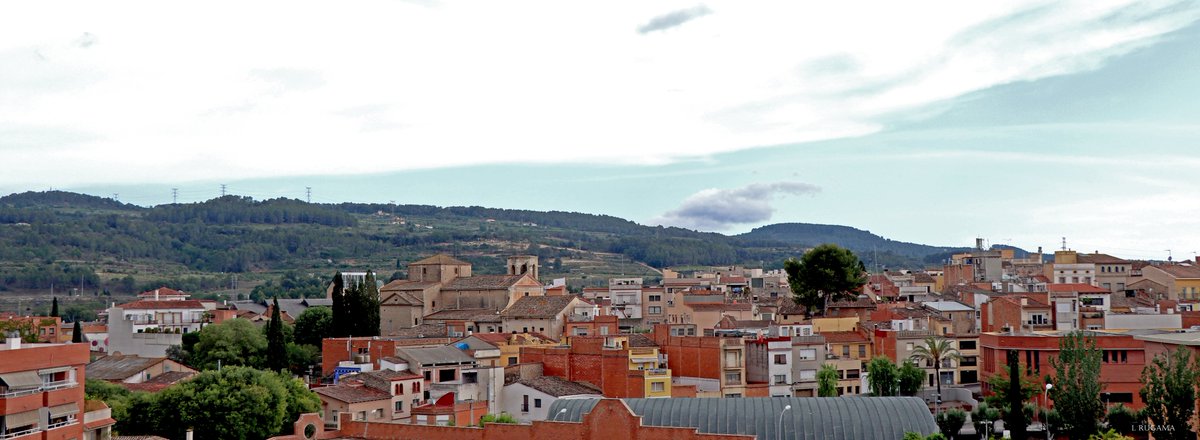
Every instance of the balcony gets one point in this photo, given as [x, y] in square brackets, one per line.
[30, 433]
[1038, 323]
[657, 372]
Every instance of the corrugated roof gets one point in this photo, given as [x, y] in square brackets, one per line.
[435, 355]
[834, 418]
[119, 367]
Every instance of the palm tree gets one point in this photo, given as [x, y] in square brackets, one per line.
[936, 350]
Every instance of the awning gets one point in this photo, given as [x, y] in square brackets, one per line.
[21, 380]
[53, 370]
[63, 410]
[13, 421]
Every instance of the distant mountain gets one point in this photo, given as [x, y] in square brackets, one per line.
[62, 199]
[858, 240]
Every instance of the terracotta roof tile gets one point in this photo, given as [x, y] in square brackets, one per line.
[1179, 270]
[557, 386]
[538, 306]
[352, 393]
[483, 282]
[146, 304]
[1075, 287]
[844, 337]
[440, 259]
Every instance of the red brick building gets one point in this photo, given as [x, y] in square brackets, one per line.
[41, 390]
[588, 360]
[1120, 370]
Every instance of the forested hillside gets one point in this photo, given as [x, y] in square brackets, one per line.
[91, 242]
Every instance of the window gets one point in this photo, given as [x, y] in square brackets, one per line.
[525, 403]
[846, 350]
[445, 375]
[908, 346]
[657, 386]
[780, 359]
[654, 298]
[734, 395]
[537, 403]
[808, 375]
[966, 345]
[428, 374]
[969, 377]
[808, 354]
[852, 374]
[733, 378]
[691, 331]
[361, 415]
[862, 350]
[780, 379]
[399, 406]
[377, 413]
[512, 360]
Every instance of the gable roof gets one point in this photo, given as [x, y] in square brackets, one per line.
[538, 307]
[398, 285]
[163, 291]
[558, 387]
[403, 298]
[119, 367]
[809, 417]
[440, 259]
[1178, 270]
[157, 383]
[1098, 258]
[420, 331]
[352, 393]
[483, 282]
[844, 337]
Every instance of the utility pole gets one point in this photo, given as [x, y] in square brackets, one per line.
[174, 195]
[308, 194]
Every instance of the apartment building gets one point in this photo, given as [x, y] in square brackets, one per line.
[41, 390]
[769, 360]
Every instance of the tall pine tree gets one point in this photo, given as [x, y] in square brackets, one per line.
[54, 307]
[338, 327]
[276, 346]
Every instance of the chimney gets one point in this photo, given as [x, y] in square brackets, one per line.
[979, 244]
[14, 340]
[156, 294]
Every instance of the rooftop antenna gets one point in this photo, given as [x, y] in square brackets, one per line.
[1064, 243]
[1169, 258]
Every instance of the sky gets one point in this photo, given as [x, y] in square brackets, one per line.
[1022, 122]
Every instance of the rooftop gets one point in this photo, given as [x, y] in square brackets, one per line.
[483, 282]
[538, 307]
[478, 315]
[440, 259]
[1179, 270]
[808, 417]
[352, 393]
[558, 387]
[119, 367]
[148, 304]
[444, 355]
[1075, 287]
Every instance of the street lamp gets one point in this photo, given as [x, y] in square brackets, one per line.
[560, 412]
[779, 424]
[1046, 398]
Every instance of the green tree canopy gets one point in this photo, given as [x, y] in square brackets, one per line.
[951, 421]
[234, 403]
[935, 351]
[827, 378]
[1169, 390]
[313, 325]
[77, 333]
[826, 272]
[233, 342]
[882, 376]
[1077, 386]
[911, 378]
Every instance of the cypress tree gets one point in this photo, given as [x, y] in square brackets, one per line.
[339, 323]
[276, 346]
[77, 333]
[1014, 419]
[368, 311]
[54, 307]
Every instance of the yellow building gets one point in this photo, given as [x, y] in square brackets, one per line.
[510, 344]
[645, 356]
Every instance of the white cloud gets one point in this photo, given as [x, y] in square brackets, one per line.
[718, 209]
[236, 90]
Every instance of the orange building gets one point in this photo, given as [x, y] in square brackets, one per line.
[1120, 370]
[41, 390]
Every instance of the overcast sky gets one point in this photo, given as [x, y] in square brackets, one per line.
[1021, 122]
